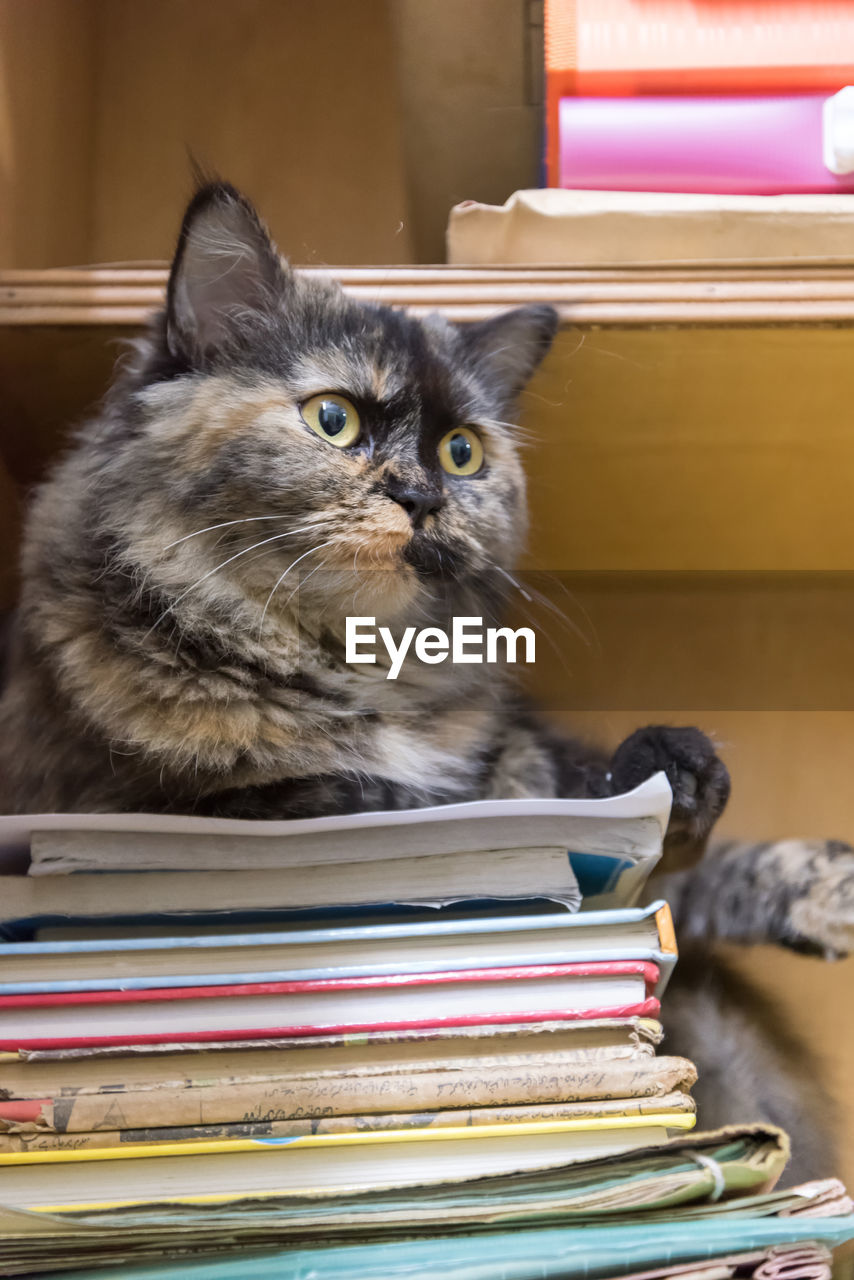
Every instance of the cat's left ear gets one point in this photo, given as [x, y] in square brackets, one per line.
[507, 348]
[225, 265]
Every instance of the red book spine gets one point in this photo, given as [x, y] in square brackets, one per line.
[24, 1111]
[648, 1008]
[596, 969]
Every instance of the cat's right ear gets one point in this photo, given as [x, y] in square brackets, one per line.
[225, 264]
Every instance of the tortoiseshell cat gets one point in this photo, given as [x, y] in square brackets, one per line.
[163, 657]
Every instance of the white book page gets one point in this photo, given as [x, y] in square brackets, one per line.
[631, 825]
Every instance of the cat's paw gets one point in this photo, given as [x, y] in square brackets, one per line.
[821, 905]
[698, 779]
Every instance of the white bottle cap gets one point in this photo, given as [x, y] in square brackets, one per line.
[838, 139]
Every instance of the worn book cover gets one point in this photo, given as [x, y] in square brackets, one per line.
[284, 1096]
[29, 1133]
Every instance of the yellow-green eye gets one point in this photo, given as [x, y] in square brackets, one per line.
[460, 452]
[333, 418]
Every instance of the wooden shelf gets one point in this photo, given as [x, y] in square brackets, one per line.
[605, 297]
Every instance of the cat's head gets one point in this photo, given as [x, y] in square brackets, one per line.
[313, 433]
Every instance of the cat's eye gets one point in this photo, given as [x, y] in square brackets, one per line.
[333, 418]
[460, 452]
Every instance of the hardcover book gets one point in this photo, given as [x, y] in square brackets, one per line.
[537, 993]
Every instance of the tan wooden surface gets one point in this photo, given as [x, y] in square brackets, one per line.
[694, 448]
[355, 124]
[104, 102]
[47, 97]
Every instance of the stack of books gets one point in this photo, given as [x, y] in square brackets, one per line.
[740, 98]
[326, 1047]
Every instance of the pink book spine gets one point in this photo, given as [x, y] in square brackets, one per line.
[764, 145]
[648, 1008]
[516, 973]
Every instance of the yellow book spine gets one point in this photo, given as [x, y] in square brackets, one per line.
[669, 1120]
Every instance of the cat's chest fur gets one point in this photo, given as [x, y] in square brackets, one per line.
[220, 711]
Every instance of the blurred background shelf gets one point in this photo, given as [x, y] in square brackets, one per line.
[369, 121]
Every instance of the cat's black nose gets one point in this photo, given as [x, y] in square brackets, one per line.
[418, 499]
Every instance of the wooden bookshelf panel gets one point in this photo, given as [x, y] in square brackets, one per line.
[723, 441]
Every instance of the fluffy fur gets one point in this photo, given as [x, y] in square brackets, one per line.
[751, 1060]
[188, 567]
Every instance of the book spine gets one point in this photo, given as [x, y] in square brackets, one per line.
[272, 1098]
[408, 930]
[317, 986]
[641, 1033]
[649, 1008]
[666, 932]
[23, 1080]
[377, 972]
[734, 146]
[28, 1139]
[660, 47]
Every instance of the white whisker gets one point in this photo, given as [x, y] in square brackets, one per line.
[224, 525]
[303, 581]
[517, 585]
[595, 641]
[281, 579]
[568, 624]
[533, 596]
[245, 552]
[530, 617]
